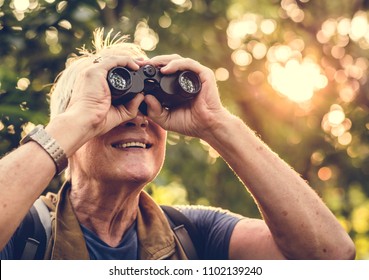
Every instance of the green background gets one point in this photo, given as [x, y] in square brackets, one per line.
[294, 70]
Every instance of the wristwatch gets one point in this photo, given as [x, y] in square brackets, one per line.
[49, 144]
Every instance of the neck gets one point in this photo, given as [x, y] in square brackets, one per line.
[106, 210]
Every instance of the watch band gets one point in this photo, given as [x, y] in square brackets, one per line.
[49, 144]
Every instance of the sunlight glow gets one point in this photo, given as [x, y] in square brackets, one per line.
[292, 10]
[178, 2]
[336, 117]
[297, 81]
[65, 24]
[21, 5]
[344, 26]
[341, 30]
[241, 28]
[336, 123]
[249, 25]
[317, 158]
[10, 129]
[283, 53]
[146, 37]
[241, 57]
[221, 74]
[165, 21]
[325, 173]
[347, 94]
[23, 84]
[259, 50]
[61, 6]
[359, 26]
[268, 26]
[345, 139]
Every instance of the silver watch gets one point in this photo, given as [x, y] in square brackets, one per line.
[40, 136]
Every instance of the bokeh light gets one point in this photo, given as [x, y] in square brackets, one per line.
[337, 124]
[23, 84]
[221, 74]
[241, 57]
[297, 80]
[145, 37]
[21, 5]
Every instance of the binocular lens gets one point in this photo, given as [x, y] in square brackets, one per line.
[170, 90]
[189, 82]
[120, 78]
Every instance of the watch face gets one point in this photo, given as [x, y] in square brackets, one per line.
[34, 131]
[28, 137]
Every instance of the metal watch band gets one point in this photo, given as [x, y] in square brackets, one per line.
[40, 136]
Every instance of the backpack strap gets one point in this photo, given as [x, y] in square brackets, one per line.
[34, 233]
[185, 231]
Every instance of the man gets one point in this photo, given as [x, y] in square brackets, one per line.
[114, 151]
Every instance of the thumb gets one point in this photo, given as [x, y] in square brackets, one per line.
[123, 113]
[155, 111]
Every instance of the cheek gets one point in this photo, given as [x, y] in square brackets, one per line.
[87, 155]
[162, 147]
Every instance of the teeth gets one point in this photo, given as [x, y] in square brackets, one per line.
[131, 144]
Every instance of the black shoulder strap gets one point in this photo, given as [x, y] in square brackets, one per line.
[34, 233]
[31, 238]
[185, 231]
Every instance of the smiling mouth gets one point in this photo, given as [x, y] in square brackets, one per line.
[128, 145]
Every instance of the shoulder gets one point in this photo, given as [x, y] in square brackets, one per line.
[208, 214]
[215, 226]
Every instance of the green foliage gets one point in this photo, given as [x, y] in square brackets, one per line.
[259, 51]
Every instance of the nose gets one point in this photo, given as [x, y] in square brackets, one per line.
[140, 121]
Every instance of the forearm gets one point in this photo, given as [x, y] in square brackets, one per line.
[302, 226]
[26, 172]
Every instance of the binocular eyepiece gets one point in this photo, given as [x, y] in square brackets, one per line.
[171, 90]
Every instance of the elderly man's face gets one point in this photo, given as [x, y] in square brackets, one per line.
[132, 153]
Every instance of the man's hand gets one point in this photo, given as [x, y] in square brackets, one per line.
[197, 117]
[91, 98]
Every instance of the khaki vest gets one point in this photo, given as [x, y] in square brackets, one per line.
[156, 240]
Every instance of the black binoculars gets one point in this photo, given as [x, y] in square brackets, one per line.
[171, 90]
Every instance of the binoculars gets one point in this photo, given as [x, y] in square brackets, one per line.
[171, 90]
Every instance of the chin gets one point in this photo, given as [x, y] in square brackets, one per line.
[139, 178]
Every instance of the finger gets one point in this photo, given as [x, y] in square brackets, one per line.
[109, 62]
[122, 113]
[155, 111]
[162, 60]
[182, 64]
[133, 105]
